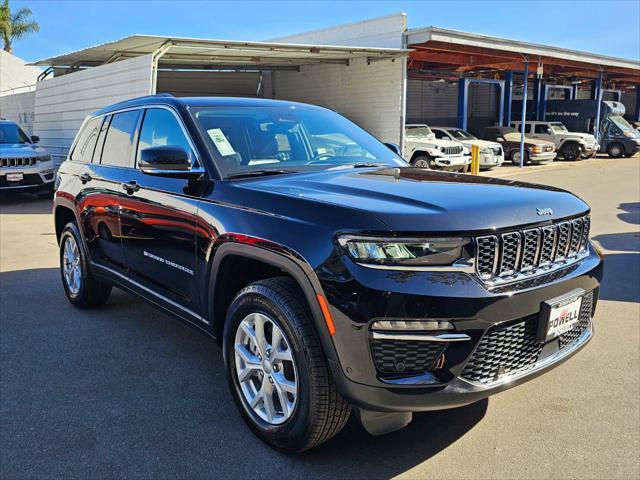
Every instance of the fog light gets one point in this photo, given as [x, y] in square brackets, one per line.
[411, 325]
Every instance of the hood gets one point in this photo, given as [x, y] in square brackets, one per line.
[434, 142]
[416, 200]
[536, 141]
[20, 150]
[480, 143]
[582, 136]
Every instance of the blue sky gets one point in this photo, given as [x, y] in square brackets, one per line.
[606, 27]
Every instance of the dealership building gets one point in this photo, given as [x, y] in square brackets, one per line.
[376, 72]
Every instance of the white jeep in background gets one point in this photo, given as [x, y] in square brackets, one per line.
[423, 149]
[569, 145]
[491, 153]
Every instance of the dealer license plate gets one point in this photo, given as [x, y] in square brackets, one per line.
[14, 177]
[559, 315]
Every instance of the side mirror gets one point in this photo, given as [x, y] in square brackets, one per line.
[167, 161]
[395, 148]
[35, 138]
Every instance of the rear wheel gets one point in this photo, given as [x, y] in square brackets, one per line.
[423, 161]
[81, 288]
[570, 151]
[615, 150]
[277, 371]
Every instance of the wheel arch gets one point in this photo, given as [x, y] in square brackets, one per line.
[419, 153]
[63, 215]
[217, 300]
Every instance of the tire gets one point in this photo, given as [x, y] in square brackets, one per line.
[423, 161]
[615, 150]
[570, 151]
[317, 412]
[515, 157]
[87, 292]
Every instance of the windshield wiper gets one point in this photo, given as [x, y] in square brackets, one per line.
[357, 165]
[260, 173]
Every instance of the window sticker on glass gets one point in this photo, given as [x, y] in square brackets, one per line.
[221, 142]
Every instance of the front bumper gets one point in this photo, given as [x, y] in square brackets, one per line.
[34, 179]
[457, 297]
[542, 157]
[451, 162]
[488, 160]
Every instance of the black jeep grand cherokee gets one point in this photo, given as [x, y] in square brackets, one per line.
[335, 276]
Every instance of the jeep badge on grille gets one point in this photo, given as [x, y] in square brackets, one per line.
[544, 211]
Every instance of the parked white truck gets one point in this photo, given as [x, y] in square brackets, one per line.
[423, 149]
[491, 153]
[569, 145]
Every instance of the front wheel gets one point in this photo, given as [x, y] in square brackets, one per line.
[81, 288]
[570, 151]
[615, 150]
[424, 161]
[515, 157]
[277, 371]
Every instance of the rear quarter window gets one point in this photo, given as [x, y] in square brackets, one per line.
[85, 146]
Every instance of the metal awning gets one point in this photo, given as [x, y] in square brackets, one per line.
[178, 52]
[462, 52]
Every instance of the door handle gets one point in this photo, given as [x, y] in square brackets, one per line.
[85, 177]
[131, 187]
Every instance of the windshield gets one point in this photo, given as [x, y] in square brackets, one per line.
[420, 131]
[461, 135]
[622, 124]
[255, 139]
[558, 127]
[12, 133]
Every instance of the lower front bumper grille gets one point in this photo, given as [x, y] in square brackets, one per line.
[405, 357]
[511, 348]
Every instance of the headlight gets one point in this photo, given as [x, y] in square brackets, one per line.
[484, 150]
[410, 252]
[44, 158]
[629, 134]
[537, 149]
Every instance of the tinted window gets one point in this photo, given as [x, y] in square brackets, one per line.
[541, 129]
[117, 145]
[161, 127]
[441, 135]
[83, 151]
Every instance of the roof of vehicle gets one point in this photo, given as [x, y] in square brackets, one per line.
[448, 129]
[168, 99]
[5, 120]
[416, 125]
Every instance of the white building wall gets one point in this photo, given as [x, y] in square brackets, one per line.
[62, 103]
[19, 107]
[369, 94]
[381, 32]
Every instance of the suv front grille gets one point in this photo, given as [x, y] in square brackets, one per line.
[512, 348]
[457, 150]
[405, 357]
[18, 162]
[515, 255]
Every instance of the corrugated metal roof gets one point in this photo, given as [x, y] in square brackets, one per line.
[190, 52]
[423, 35]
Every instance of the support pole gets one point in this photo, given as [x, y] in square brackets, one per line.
[524, 111]
[475, 160]
[636, 114]
[596, 127]
[508, 97]
[574, 91]
[463, 103]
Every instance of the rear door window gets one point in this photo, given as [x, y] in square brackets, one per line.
[119, 140]
[543, 129]
[85, 146]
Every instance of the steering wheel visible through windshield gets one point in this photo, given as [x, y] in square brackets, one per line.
[288, 139]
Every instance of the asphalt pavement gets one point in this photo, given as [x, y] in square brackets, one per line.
[126, 391]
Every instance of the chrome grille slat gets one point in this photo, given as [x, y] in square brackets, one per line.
[11, 162]
[519, 254]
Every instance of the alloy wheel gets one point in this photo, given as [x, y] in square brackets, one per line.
[71, 266]
[265, 368]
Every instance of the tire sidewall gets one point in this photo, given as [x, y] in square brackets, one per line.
[291, 433]
[571, 152]
[423, 158]
[615, 150]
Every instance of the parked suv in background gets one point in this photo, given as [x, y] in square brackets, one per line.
[569, 145]
[534, 150]
[336, 278]
[491, 153]
[423, 149]
[24, 167]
